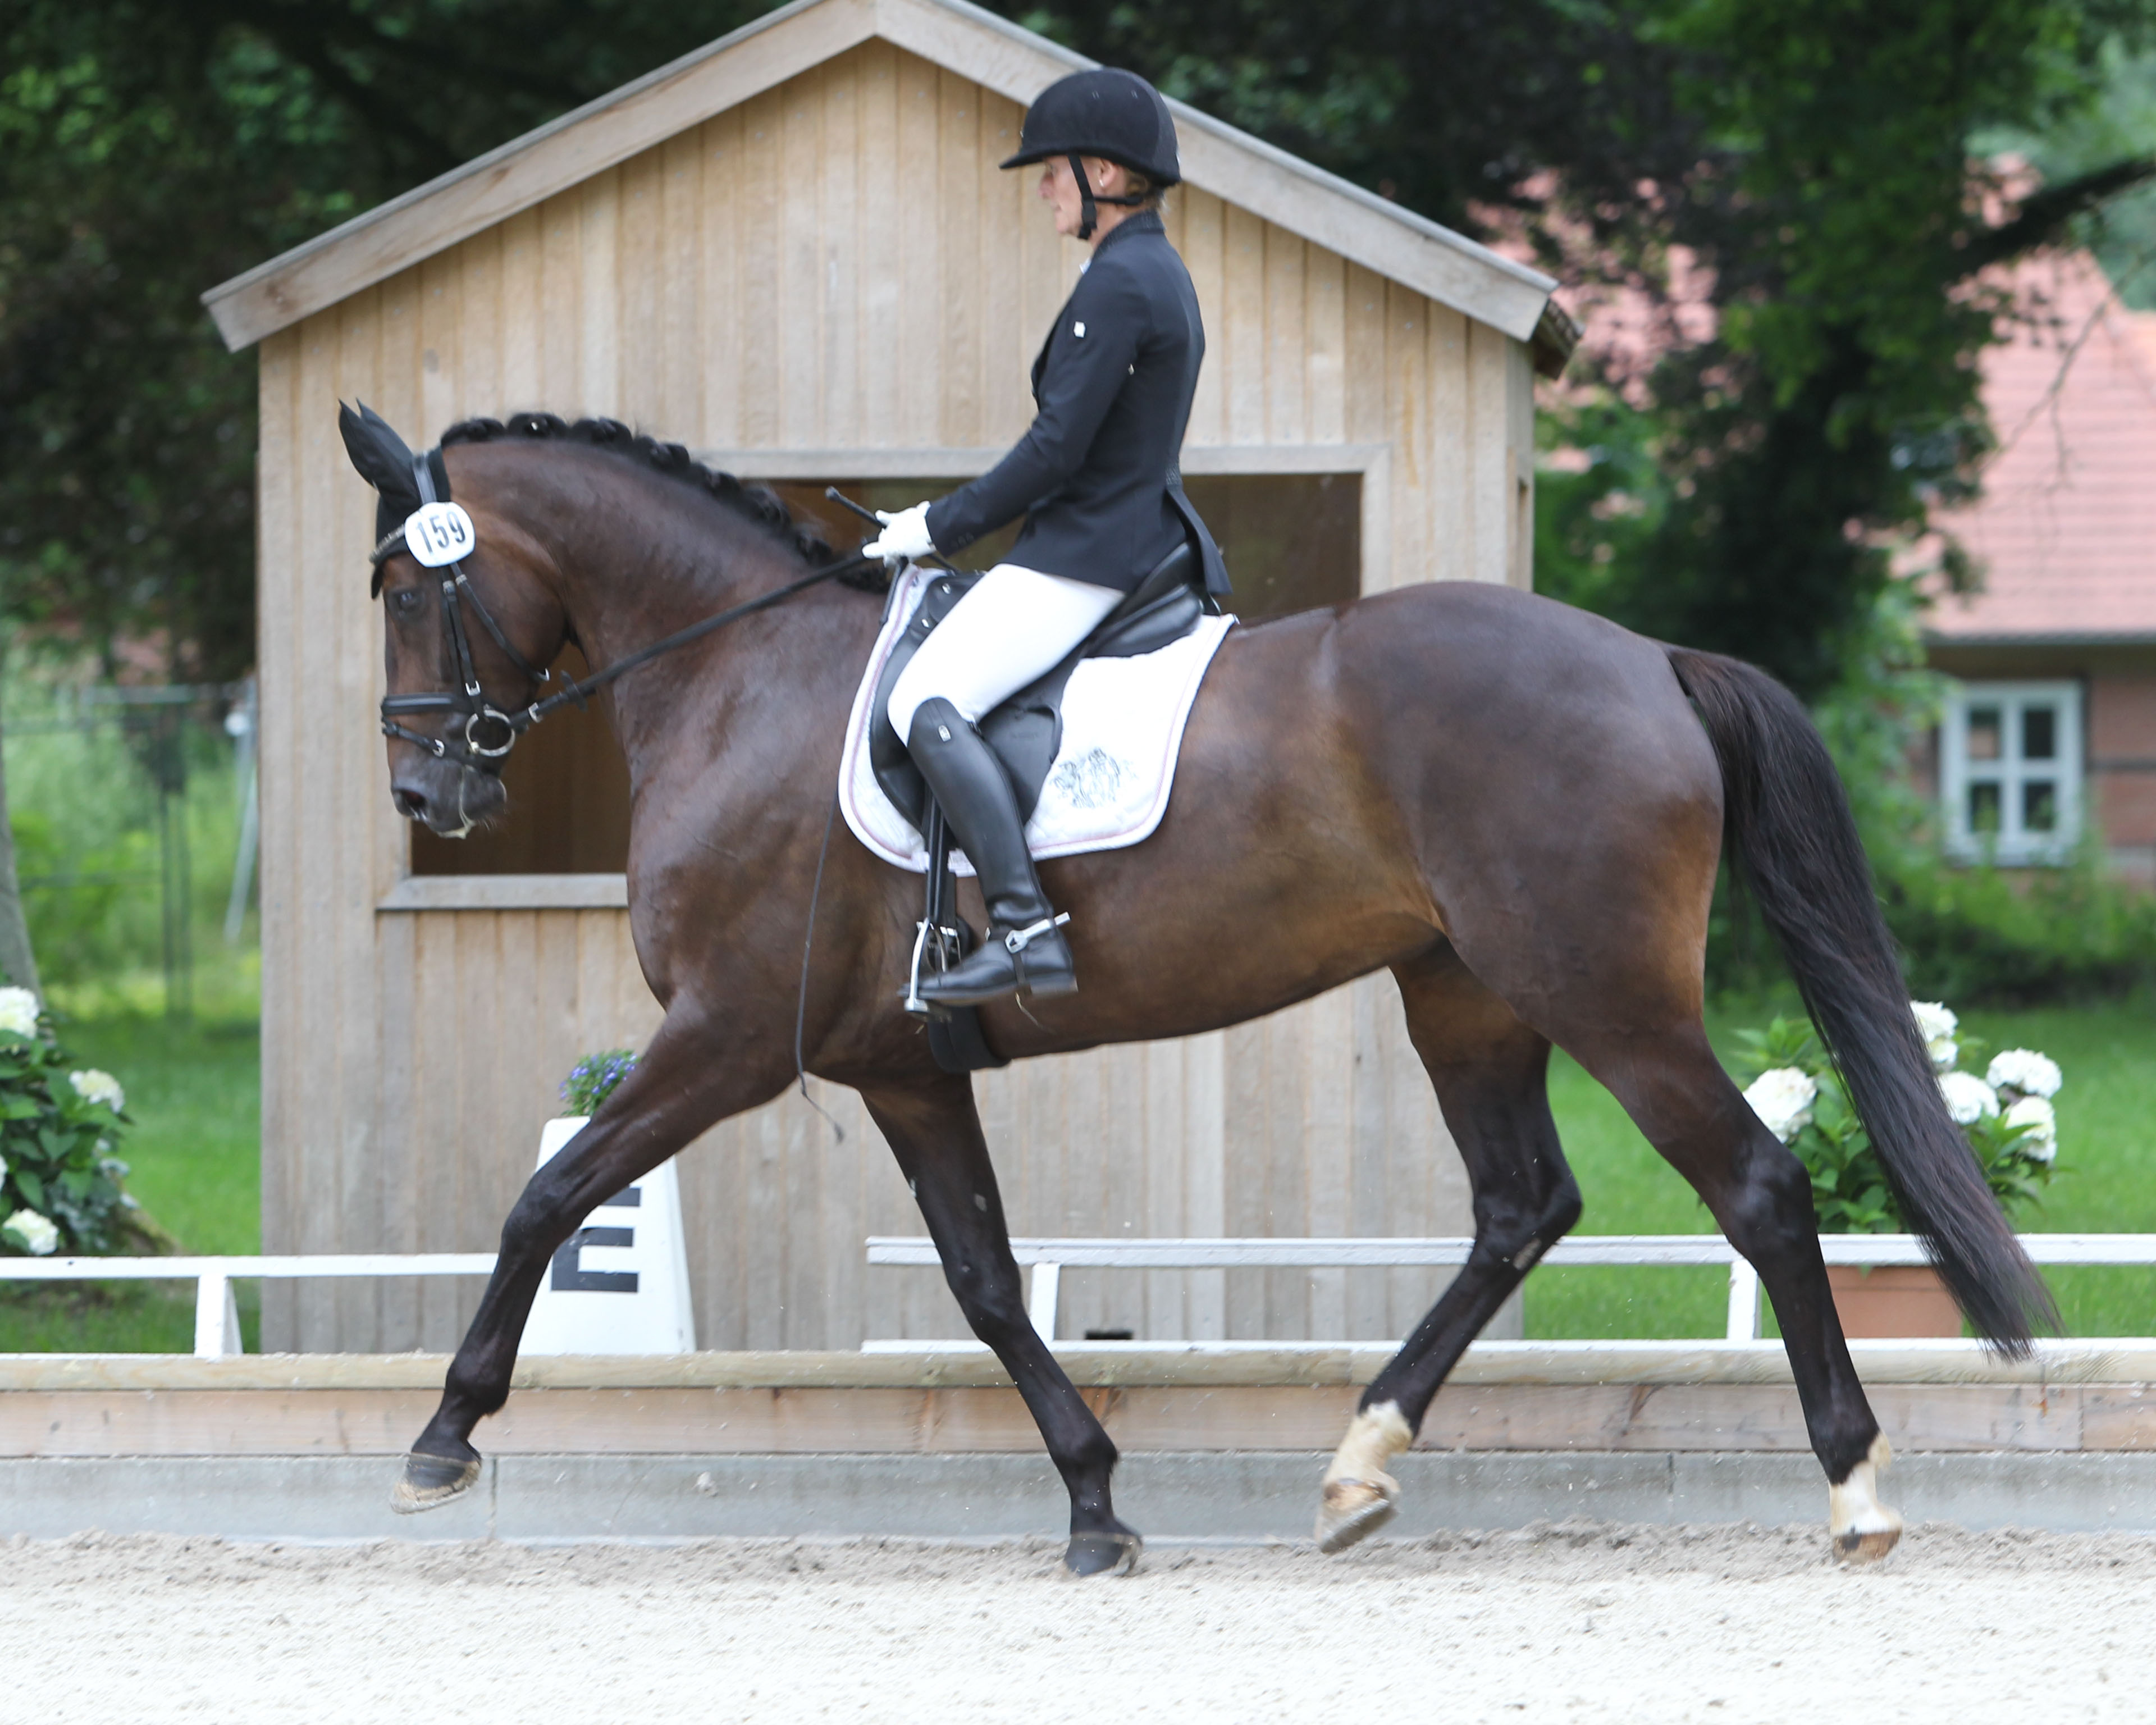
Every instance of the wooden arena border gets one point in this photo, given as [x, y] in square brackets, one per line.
[1665, 1397]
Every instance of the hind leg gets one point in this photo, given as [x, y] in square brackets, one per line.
[1491, 1072]
[1677, 1093]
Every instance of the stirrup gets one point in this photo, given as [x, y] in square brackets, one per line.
[1017, 940]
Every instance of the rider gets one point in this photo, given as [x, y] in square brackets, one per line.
[1097, 480]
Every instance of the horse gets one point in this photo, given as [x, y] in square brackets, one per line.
[1518, 808]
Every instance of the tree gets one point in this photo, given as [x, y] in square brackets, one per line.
[1813, 156]
[149, 151]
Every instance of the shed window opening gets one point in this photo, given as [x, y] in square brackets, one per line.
[1293, 542]
[2011, 772]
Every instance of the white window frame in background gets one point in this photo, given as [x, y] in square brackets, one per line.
[2011, 847]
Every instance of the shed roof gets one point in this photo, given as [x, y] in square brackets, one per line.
[1014, 62]
[2065, 531]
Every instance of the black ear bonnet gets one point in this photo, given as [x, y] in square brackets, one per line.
[386, 462]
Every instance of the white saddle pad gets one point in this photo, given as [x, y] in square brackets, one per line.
[1122, 728]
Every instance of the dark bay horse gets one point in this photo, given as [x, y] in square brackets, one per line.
[1516, 807]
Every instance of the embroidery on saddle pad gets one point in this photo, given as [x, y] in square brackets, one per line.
[1108, 788]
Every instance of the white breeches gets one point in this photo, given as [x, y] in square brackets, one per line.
[1015, 626]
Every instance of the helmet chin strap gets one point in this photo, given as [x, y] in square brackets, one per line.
[1089, 216]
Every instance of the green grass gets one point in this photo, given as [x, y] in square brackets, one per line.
[2107, 1182]
[194, 1093]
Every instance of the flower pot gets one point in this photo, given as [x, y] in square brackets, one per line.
[1891, 1300]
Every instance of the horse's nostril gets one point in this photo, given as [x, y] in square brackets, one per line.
[411, 804]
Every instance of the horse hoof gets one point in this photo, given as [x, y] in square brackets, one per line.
[1351, 1510]
[1866, 1547]
[1863, 1528]
[1103, 1553]
[429, 1481]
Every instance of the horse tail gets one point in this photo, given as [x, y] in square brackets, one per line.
[1786, 821]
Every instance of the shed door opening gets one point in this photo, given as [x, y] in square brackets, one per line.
[1293, 541]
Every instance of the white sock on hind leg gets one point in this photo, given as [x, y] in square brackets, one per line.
[1374, 1436]
[1853, 1506]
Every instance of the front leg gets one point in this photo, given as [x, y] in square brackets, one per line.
[935, 1132]
[677, 1090]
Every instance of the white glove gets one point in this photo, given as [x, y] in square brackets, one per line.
[905, 535]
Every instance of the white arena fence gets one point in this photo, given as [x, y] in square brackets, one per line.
[1049, 1258]
[217, 1317]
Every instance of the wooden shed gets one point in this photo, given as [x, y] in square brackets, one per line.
[794, 251]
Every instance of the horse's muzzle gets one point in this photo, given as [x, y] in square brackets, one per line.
[447, 797]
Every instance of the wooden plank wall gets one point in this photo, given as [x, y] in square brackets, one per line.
[837, 264]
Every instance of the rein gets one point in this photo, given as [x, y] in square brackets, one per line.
[491, 733]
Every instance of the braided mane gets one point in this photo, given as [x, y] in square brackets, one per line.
[676, 462]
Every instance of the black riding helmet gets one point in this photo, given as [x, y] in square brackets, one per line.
[1113, 115]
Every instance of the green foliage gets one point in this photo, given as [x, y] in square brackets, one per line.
[83, 808]
[61, 1127]
[1850, 1191]
[2119, 125]
[594, 1078]
[150, 151]
[1601, 498]
[2050, 934]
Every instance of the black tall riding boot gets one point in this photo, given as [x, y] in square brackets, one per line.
[1025, 951]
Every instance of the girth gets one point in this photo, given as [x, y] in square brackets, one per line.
[1026, 730]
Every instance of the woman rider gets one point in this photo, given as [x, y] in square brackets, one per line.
[1096, 479]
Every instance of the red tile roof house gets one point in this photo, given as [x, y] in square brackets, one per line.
[2049, 734]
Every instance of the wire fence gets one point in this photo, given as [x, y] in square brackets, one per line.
[120, 795]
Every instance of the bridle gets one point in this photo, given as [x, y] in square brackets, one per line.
[489, 732]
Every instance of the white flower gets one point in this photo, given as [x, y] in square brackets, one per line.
[1969, 1097]
[1937, 1025]
[1782, 1098]
[38, 1231]
[93, 1086]
[2035, 1112]
[18, 1012]
[2025, 1071]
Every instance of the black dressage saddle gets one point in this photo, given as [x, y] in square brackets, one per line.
[1026, 730]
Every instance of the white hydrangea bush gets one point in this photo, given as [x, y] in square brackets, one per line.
[2038, 1122]
[1968, 1098]
[1782, 1097]
[1938, 1026]
[37, 1235]
[63, 1186]
[2019, 1072]
[18, 1012]
[2005, 1112]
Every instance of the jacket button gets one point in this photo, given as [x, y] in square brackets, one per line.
[1078, 330]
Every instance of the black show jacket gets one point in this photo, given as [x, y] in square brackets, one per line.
[1097, 475]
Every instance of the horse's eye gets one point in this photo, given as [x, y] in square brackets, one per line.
[405, 600]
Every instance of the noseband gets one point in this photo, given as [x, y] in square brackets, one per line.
[490, 733]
